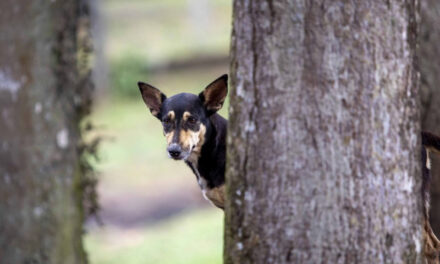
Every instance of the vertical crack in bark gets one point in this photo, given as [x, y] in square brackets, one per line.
[272, 16]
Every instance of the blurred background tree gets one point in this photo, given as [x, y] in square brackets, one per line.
[45, 91]
[323, 137]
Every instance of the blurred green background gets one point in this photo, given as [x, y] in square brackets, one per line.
[151, 206]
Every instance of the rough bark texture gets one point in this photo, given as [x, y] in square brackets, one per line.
[323, 141]
[429, 61]
[42, 98]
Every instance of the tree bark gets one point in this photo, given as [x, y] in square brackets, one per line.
[428, 55]
[323, 140]
[41, 103]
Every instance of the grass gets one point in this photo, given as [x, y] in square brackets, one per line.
[190, 238]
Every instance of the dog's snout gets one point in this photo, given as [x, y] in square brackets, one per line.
[174, 153]
[174, 150]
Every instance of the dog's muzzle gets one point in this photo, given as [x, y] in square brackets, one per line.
[174, 151]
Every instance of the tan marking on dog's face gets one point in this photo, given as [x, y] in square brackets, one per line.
[189, 139]
[169, 137]
[195, 141]
[186, 115]
[169, 133]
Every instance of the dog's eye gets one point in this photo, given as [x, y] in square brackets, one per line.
[192, 120]
[167, 120]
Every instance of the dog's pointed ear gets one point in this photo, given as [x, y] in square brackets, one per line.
[153, 98]
[214, 94]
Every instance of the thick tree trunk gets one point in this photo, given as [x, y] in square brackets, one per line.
[429, 61]
[323, 140]
[40, 107]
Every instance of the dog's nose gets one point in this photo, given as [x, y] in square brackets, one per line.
[174, 150]
[174, 153]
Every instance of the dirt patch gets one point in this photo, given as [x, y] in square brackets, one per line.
[140, 206]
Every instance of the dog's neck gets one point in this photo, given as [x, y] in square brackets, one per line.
[208, 163]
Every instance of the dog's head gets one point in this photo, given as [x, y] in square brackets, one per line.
[185, 117]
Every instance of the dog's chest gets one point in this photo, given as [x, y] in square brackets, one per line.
[203, 184]
[213, 195]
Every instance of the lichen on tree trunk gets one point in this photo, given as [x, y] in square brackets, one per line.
[43, 96]
[323, 137]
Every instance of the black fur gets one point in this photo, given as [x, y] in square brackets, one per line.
[211, 163]
[430, 140]
[431, 143]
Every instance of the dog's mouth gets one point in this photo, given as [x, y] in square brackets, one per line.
[175, 158]
[180, 157]
[177, 152]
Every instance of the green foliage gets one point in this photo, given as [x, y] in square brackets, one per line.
[125, 72]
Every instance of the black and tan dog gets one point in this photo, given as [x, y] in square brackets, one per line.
[194, 132]
[431, 144]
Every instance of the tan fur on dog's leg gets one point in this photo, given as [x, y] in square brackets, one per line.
[432, 245]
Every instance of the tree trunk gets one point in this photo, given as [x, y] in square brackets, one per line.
[323, 141]
[41, 103]
[429, 61]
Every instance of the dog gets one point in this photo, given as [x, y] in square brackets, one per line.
[195, 132]
[431, 144]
